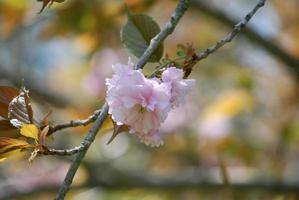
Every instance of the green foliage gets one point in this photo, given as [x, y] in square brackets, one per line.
[136, 35]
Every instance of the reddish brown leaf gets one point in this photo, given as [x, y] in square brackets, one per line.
[49, 2]
[28, 106]
[45, 122]
[5, 125]
[6, 96]
[166, 56]
[14, 133]
[45, 3]
[20, 110]
[190, 51]
[4, 110]
[43, 135]
[117, 129]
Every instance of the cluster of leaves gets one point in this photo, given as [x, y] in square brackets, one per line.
[24, 131]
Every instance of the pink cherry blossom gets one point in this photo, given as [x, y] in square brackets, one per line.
[141, 103]
[179, 87]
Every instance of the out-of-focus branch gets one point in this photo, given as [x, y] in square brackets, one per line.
[275, 50]
[35, 87]
[115, 180]
[276, 188]
[167, 30]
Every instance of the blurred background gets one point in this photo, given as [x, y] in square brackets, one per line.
[236, 138]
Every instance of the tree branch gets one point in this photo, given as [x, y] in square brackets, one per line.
[75, 123]
[167, 30]
[63, 152]
[229, 37]
[291, 62]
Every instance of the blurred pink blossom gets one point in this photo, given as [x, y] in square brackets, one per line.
[94, 83]
[216, 127]
[182, 117]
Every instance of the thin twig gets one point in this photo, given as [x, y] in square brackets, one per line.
[71, 124]
[75, 123]
[167, 30]
[228, 38]
[274, 49]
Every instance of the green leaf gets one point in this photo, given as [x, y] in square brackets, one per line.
[136, 35]
[180, 53]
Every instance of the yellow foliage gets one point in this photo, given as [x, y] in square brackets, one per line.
[9, 146]
[229, 104]
[30, 130]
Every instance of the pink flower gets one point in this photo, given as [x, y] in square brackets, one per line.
[179, 87]
[143, 104]
[140, 103]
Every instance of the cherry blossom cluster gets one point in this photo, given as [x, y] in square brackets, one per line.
[143, 103]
